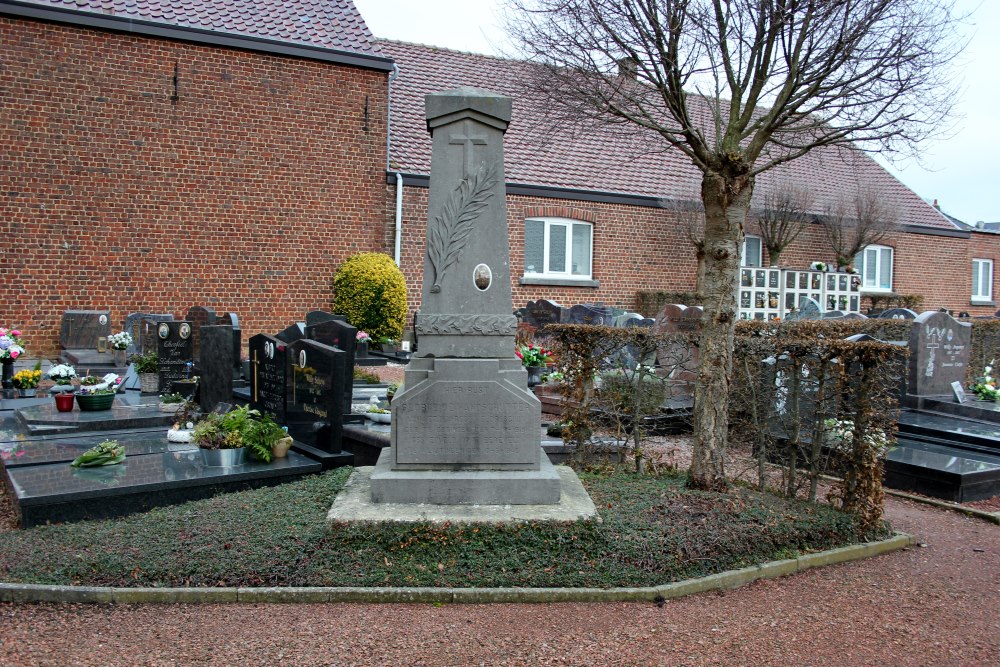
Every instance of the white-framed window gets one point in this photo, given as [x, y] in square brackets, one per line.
[751, 252]
[558, 248]
[874, 263]
[982, 280]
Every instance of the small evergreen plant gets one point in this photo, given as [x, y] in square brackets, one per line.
[370, 291]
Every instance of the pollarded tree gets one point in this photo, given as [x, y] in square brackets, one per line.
[781, 217]
[855, 222]
[740, 86]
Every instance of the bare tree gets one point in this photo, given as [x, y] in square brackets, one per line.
[739, 86]
[781, 218]
[854, 223]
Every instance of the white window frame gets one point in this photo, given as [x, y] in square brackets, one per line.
[568, 273]
[760, 250]
[859, 264]
[983, 296]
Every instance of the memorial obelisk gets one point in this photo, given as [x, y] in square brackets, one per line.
[465, 427]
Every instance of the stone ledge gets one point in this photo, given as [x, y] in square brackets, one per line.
[714, 582]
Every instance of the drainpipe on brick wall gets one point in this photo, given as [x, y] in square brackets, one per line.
[399, 215]
[388, 164]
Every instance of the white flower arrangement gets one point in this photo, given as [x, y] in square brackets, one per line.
[120, 340]
[840, 432]
[818, 266]
[62, 373]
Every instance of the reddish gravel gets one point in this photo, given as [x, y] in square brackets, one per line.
[932, 605]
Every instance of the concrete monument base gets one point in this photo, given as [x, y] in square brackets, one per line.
[463, 486]
[354, 504]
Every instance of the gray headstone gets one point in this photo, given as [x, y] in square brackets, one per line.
[313, 409]
[465, 426]
[293, 332]
[624, 319]
[173, 346]
[81, 329]
[268, 372]
[582, 314]
[341, 335]
[808, 310]
[833, 315]
[199, 316]
[142, 326]
[897, 314]
[215, 383]
[939, 353]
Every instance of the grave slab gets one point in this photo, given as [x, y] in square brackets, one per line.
[128, 411]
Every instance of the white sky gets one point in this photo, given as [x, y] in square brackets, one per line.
[962, 172]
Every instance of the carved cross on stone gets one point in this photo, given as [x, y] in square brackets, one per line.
[468, 144]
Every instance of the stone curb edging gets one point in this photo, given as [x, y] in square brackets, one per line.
[993, 517]
[721, 581]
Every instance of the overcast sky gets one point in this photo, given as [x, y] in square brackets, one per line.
[961, 172]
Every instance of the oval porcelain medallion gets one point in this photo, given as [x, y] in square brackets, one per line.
[482, 276]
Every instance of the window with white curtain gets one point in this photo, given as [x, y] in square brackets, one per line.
[875, 265]
[982, 280]
[751, 252]
[558, 248]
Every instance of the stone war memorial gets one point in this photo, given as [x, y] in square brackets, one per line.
[465, 426]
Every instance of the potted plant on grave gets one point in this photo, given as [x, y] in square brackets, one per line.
[147, 367]
[391, 390]
[27, 380]
[10, 349]
[171, 403]
[219, 447]
[534, 358]
[265, 438]
[362, 340]
[97, 393]
[389, 345]
[379, 415]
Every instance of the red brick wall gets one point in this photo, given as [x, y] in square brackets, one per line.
[244, 195]
[637, 248]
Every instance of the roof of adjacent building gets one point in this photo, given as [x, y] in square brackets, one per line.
[604, 161]
[327, 24]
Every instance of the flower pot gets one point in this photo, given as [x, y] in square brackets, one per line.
[534, 375]
[362, 349]
[149, 383]
[281, 446]
[8, 373]
[170, 408]
[27, 393]
[380, 417]
[223, 458]
[118, 356]
[64, 402]
[95, 402]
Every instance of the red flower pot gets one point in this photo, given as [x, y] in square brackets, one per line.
[64, 402]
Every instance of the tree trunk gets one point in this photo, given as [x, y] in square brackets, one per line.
[726, 199]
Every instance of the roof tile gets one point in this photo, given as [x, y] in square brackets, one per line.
[332, 24]
[601, 160]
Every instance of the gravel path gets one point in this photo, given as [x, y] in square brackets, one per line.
[938, 604]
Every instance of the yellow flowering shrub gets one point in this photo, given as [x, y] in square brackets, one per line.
[370, 291]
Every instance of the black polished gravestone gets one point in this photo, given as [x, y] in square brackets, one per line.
[317, 316]
[314, 400]
[83, 329]
[142, 327]
[341, 335]
[233, 320]
[268, 370]
[173, 347]
[582, 314]
[199, 316]
[541, 313]
[292, 333]
[215, 383]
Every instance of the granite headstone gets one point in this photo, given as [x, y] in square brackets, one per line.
[939, 353]
[216, 372]
[313, 408]
[897, 314]
[142, 326]
[82, 329]
[293, 332]
[268, 373]
[173, 347]
[341, 335]
[199, 316]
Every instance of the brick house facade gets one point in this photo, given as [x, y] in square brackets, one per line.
[145, 173]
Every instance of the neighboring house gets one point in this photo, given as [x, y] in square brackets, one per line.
[595, 215]
[159, 154]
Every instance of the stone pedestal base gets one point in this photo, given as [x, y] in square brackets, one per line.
[465, 487]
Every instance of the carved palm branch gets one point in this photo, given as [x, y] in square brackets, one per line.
[448, 232]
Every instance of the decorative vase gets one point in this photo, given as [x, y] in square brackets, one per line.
[118, 356]
[362, 349]
[149, 383]
[27, 393]
[534, 375]
[64, 402]
[223, 458]
[8, 374]
[94, 402]
[281, 446]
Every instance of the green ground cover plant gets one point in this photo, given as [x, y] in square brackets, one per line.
[652, 531]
